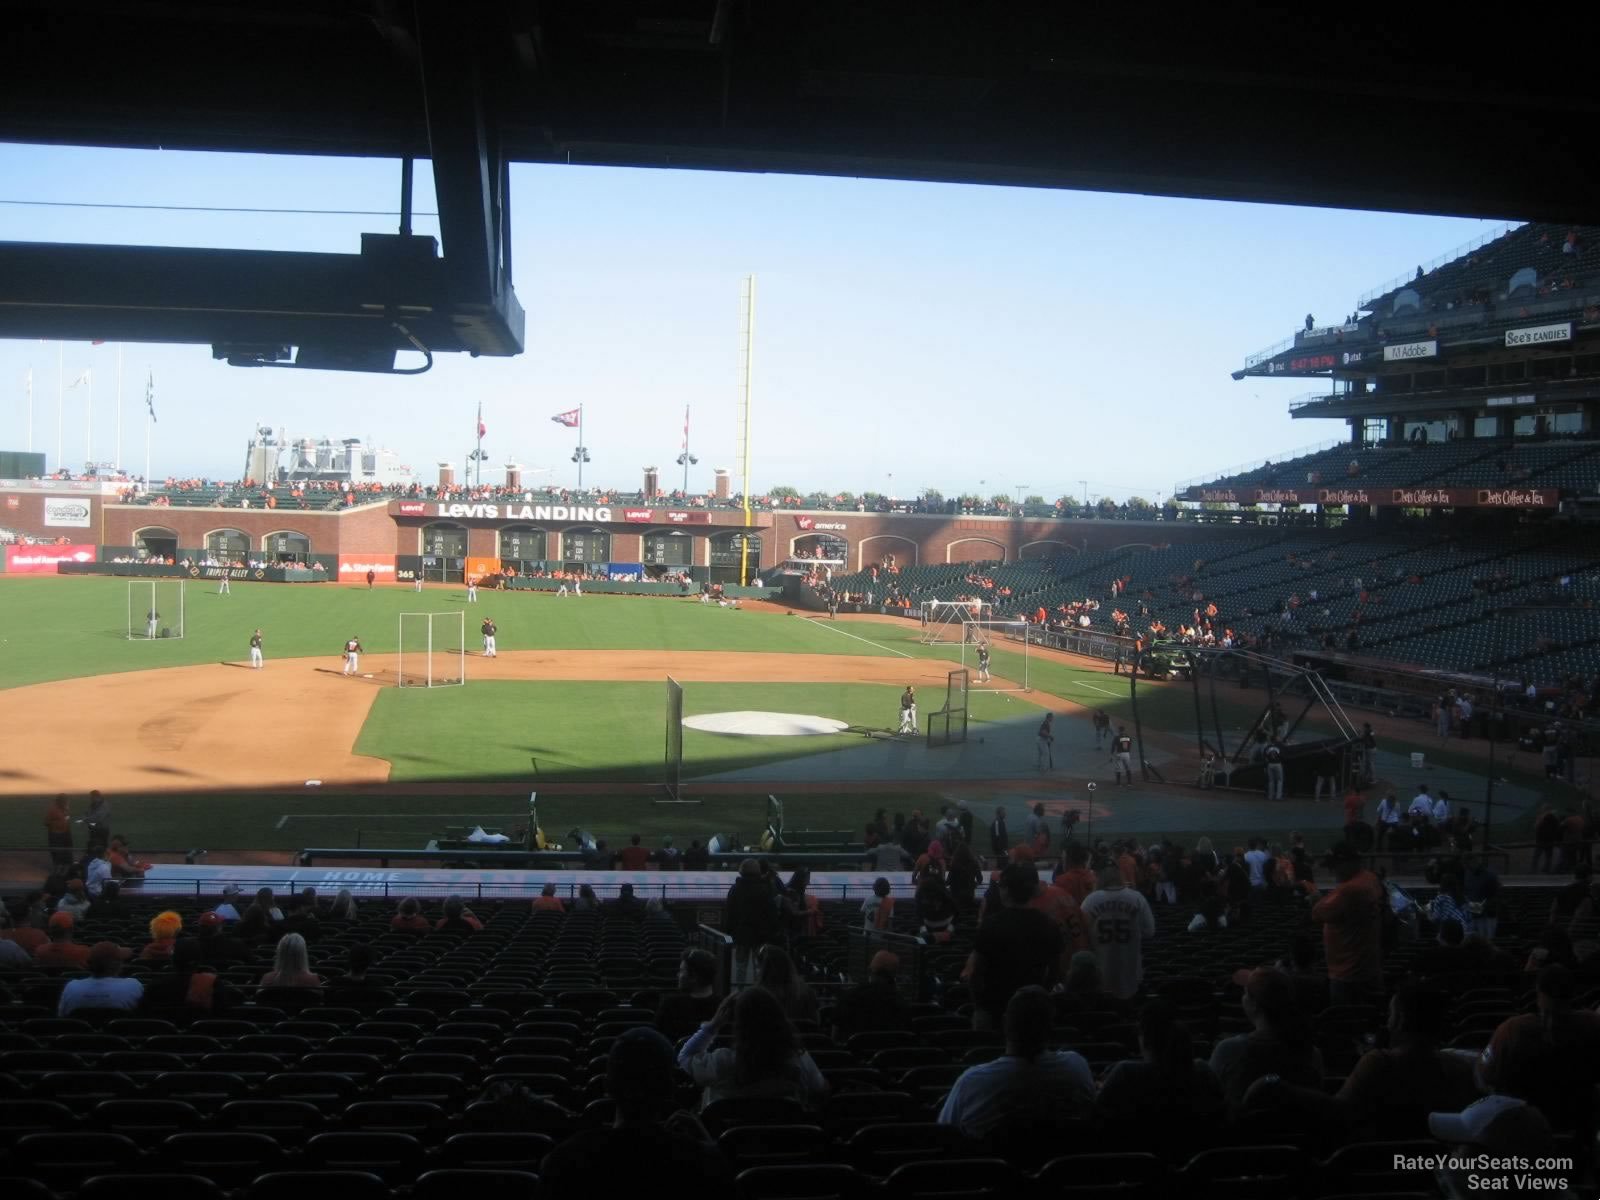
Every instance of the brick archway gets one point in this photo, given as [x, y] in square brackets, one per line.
[894, 548]
[998, 547]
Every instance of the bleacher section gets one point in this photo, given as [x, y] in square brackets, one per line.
[1568, 464]
[390, 1086]
[1487, 270]
[1431, 602]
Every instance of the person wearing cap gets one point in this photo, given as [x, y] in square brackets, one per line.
[1166, 1087]
[1394, 1086]
[74, 900]
[751, 917]
[1028, 1078]
[649, 1139]
[123, 864]
[228, 910]
[58, 830]
[212, 944]
[1016, 946]
[1550, 1057]
[97, 821]
[61, 953]
[548, 901]
[1351, 916]
[97, 872]
[1279, 1044]
[103, 988]
[875, 1006]
[26, 937]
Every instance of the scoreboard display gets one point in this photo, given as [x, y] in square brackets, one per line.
[669, 550]
[587, 546]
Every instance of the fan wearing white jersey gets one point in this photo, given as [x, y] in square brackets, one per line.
[1119, 920]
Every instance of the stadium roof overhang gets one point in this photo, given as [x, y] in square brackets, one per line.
[1303, 107]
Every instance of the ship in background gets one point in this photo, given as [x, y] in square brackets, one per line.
[272, 457]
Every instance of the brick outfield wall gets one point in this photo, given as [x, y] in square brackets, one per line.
[24, 512]
[912, 539]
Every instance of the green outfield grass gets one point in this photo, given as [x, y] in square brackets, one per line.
[608, 731]
[63, 628]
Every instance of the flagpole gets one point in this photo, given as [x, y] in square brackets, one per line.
[478, 456]
[149, 422]
[119, 408]
[88, 419]
[580, 447]
[30, 410]
[61, 397]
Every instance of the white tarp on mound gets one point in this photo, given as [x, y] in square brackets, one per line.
[765, 724]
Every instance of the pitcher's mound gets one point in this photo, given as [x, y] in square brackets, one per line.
[765, 724]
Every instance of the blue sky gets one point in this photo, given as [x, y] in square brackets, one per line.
[939, 334]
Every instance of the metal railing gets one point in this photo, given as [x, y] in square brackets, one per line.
[1284, 460]
[1272, 351]
[1399, 281]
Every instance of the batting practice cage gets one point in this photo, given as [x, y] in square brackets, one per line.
[155, 609]
[433, 650]
[1010, 645]
[948, 726]
[672, 788]
[944, 621]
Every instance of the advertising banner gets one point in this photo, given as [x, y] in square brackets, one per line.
[477, 568]
[1418, 497]
[638, 516]
[1410, 350]
[689, 518]
[42, 560]
[73, 513]
[625, 572]
[1539, 335]
[413, 508]
[354, 567]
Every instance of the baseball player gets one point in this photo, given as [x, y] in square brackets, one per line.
[489, 630]
[983, 662]
[577, 588]
[416, 585]
[562, 592]
[255, 650]
[833, 605]
[472, 590]
[371, 575]
[1122, 756]
[1102, 728]
[908, 710]
[352, 656]
[224, 588]
[152, 623]
[1045, 754]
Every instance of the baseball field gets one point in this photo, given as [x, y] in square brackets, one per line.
[200, 750]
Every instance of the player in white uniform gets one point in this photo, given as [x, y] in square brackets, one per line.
[1119, 920]
[352, 656]
[255, 650]
[224, 588]
[472, 590]
[908, 710]
[152, 623]
[577, 587]
[983, 662]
